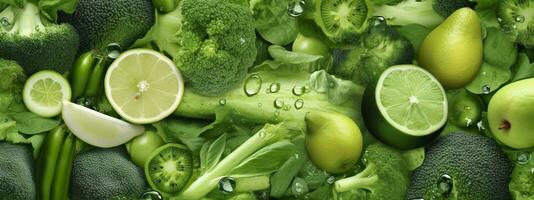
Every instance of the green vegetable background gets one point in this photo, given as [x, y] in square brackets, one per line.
[253, 72]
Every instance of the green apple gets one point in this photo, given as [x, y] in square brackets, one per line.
[511, 114]
[334, 142]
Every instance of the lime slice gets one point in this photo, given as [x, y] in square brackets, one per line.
[44, 91]
[143, 86]
[406, 107]
[98, 129]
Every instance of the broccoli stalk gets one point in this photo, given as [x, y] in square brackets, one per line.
[26, 21]
[385, 176]
[208, 181]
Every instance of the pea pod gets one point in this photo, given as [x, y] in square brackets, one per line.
[60, 184]
[80, 73]
[49, 153]
[96, 79]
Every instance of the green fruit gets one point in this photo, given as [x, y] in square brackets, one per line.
[334, 142]
[406, 107]
[310, 45]
[466, 109]
[142, 146]
[342, 20]
[510, 114]
[169, 168]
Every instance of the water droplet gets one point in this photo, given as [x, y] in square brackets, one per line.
[377, 20]
[252, 85]
[274, 87]
[226, 185]
[276, 114]
[298, 90]
[331, 179]
[506, 28]
[260, 105]
[520, 18]
[222, 102]
[445, 184]
[278, 103]
[113, 50]
[286, 107]
[261, 133]
[299, 188]
[486, 89]
[299, 103]
[523, 158]
[296, 8]
[331, 84]
[4, 21]
[152, 195]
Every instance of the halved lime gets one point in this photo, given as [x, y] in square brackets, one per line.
[406, 107]
[143, 86]
[44, 93]
[98, 129]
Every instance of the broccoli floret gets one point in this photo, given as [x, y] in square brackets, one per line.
[35, 42]
[462, 166]
[106, 174]
[380, 47]
[11, 84]
[16, 172]
[516, 19]
[523, 177]
[385, 176]
[429, 13]
[103, 22]
[216, 45]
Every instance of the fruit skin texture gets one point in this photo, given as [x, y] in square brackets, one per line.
[106, 174]
[476, 164]
[334, 142]
[16, 172]
[142, 146]
[453, 51]
[513, 104]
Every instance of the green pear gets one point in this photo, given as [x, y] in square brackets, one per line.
[511, 114]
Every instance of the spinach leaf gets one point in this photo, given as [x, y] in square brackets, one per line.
[416, 33]
[523, 69]
[272, 21]
[29, 123]
[489, 79]
[499, 49]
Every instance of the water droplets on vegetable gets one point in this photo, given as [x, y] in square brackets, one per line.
[378, 20]
[113, 50]
[299, 188]
[286, 107]
[330, 179]
[278, 103]
[276, 114]
[4, 21]
[222, 102]
[445, 184]
[260, 105]
[299, 103]
[152, 195]
[486, 89]
[296, 8]
[226, 185]
[274, 88]
[519, 18]
[261, 133]
[252, 85]
[523, 158]
[298, 90]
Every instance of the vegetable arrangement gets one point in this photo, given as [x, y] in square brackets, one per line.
[266, 99]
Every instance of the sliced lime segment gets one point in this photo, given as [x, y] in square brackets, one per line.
[412, 100]
[44, 93]
[143, 86]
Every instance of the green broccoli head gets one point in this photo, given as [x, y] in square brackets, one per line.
[216, 45]
[16, 172]
[385, 176]
[462, 166]
[11, 84]
[34, 42]
[447, 7]
[106, 174]
[380, 47]
[103, 22]
[516, 19]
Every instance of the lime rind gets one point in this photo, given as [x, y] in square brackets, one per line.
[143, 86]
[44, 93]
[411, 100]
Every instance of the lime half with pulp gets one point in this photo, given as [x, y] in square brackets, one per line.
[406, 107]
[143, 86]
[44, 93]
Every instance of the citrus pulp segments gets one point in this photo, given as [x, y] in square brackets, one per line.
[411, 100]
[44, 93]
[143, 86]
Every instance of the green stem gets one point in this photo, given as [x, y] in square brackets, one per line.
[254, 183]
[354, 182]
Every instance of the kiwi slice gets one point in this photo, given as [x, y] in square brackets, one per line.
[169, 168]
[516, 18]
[342, 20]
